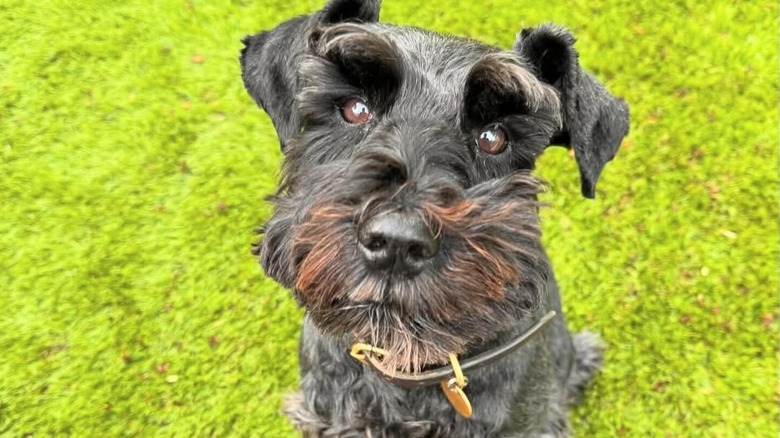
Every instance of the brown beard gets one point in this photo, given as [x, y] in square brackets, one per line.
[459, 302]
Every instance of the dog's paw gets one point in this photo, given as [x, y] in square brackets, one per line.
[588, 360]
[301, 417]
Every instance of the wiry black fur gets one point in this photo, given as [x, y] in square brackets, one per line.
[491, 280]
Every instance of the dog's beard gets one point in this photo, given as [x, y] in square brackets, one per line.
[486, 276]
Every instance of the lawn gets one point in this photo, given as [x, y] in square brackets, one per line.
[133, 169]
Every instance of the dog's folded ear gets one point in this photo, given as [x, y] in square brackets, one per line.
[594, 121]
[270, 59]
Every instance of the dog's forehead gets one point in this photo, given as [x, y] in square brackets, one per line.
[427, 51]
[436, 65]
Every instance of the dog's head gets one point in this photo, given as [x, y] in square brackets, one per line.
[407, 216]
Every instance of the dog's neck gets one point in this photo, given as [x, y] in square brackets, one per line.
[485, 355]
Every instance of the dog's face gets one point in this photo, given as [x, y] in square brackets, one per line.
[407, 214]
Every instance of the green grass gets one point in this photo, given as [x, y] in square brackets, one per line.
[133, 168]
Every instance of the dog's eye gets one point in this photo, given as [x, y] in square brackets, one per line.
[491, 139]
[356, 111]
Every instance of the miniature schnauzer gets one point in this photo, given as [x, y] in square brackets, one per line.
[406, 222]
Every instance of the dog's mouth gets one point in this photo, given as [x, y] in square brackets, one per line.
[482, 280]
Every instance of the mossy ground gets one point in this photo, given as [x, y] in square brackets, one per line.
[133, 168]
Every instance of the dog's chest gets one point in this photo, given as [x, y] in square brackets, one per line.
[344, 398]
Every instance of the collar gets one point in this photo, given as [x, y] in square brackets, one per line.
[369, 355]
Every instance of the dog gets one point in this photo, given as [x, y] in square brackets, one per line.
[406, 222]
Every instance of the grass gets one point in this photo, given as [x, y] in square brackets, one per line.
[133, 168]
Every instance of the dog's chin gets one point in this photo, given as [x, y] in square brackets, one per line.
[418, 324]
[413, 342]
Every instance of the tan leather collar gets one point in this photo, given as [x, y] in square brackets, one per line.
[444, 373]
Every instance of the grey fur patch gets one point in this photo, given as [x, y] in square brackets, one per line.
[588, 360]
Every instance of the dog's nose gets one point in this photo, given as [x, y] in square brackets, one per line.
[397, 240]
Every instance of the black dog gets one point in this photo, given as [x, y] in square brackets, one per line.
[406, 222]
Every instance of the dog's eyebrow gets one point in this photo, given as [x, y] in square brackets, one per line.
[500, 82]
[365, 57]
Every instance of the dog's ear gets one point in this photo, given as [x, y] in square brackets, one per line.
[270, 59]
[339, 11]
[594, 121]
